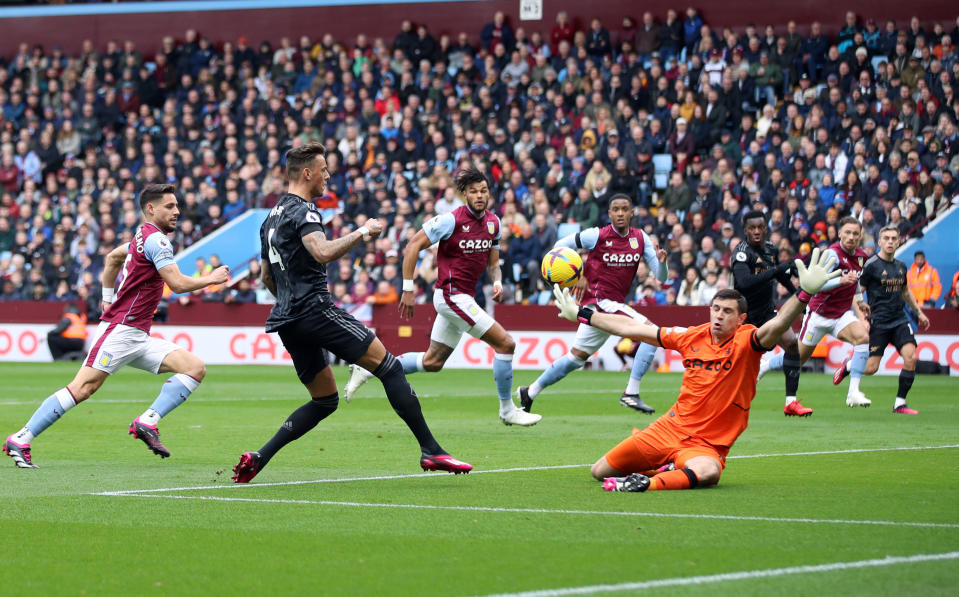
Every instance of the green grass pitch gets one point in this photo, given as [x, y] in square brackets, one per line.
[846, 502]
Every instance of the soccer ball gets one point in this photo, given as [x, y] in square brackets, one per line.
[562, 266]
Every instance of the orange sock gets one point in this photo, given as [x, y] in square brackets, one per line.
[678, 479]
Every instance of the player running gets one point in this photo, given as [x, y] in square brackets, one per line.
[721, 359]
[884, 282]
[294, 253]
[829, 312]
[614, 255]
[468, 239]
[123, 336]
[756, 269]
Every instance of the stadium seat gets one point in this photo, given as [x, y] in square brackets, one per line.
[875, 62]
[662, 165]
[567, 228]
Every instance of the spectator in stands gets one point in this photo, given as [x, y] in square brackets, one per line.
[220, 132]
[923, 280]
[952, 298]
[67, 339]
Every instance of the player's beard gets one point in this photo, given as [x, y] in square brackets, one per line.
[479, 211]
[318, 189]
[170, 226]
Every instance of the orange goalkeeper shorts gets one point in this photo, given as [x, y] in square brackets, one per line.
[659, 444]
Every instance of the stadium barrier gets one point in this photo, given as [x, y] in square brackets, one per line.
[234, 335]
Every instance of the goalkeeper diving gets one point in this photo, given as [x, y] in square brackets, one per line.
[687, 446]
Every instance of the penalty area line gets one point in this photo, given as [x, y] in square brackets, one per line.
[123, 492]
[548, 511]
[734, 576]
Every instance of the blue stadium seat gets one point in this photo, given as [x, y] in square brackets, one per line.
[662, 165]
[566, 229]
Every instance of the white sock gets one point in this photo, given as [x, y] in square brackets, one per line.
[23, 436]
[853, 385]
[899, 402]
[149, 417]
[790, 399]
[534, 389]
[632, 386]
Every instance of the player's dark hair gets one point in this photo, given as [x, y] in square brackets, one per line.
[753, 213]
[155, 192]
[468, 176]
[619, 196]
[849, 220]
[890, 228]
[302, 157]
[729, 294]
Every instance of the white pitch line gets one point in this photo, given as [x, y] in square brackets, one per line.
[343, 480]
[503, 470]
[850, 451]
[734, 576]
[497, 509]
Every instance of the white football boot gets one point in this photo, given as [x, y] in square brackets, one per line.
[358, 377]
[518, 416]
[854, 399]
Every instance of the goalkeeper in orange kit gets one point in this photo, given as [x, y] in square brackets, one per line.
[721, 360]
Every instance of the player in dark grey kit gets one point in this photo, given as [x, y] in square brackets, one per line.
[294, 254]
[756, 269]
[883, 281]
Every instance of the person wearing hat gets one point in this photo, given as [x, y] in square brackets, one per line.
[714, 67]
[914, 71]
[681, 143]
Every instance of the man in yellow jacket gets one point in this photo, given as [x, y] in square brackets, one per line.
[923, 281]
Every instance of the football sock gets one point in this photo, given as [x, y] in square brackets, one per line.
[173, 393]
[403, 400]
[775, 362]
[905, 382]
[641, 362]
[503, 375]
[299, 422]
[560, 368]
[678, 479]
[899, 402]
[47, 414]
[857, 366]
[412, 362]
[791, 371]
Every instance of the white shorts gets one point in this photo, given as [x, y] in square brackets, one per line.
[116, 345]
[589, 339]
[455, 314]
[815, 326]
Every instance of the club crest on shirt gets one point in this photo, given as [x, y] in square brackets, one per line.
[633, 243]
[740, 256]
[860, 261]
[491, 227]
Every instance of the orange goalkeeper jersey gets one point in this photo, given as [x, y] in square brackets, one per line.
[719, 382]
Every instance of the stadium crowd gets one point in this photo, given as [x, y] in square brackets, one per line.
[698, 125]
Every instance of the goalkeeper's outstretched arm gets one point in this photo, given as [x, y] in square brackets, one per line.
[608, 322]
[811, 280]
